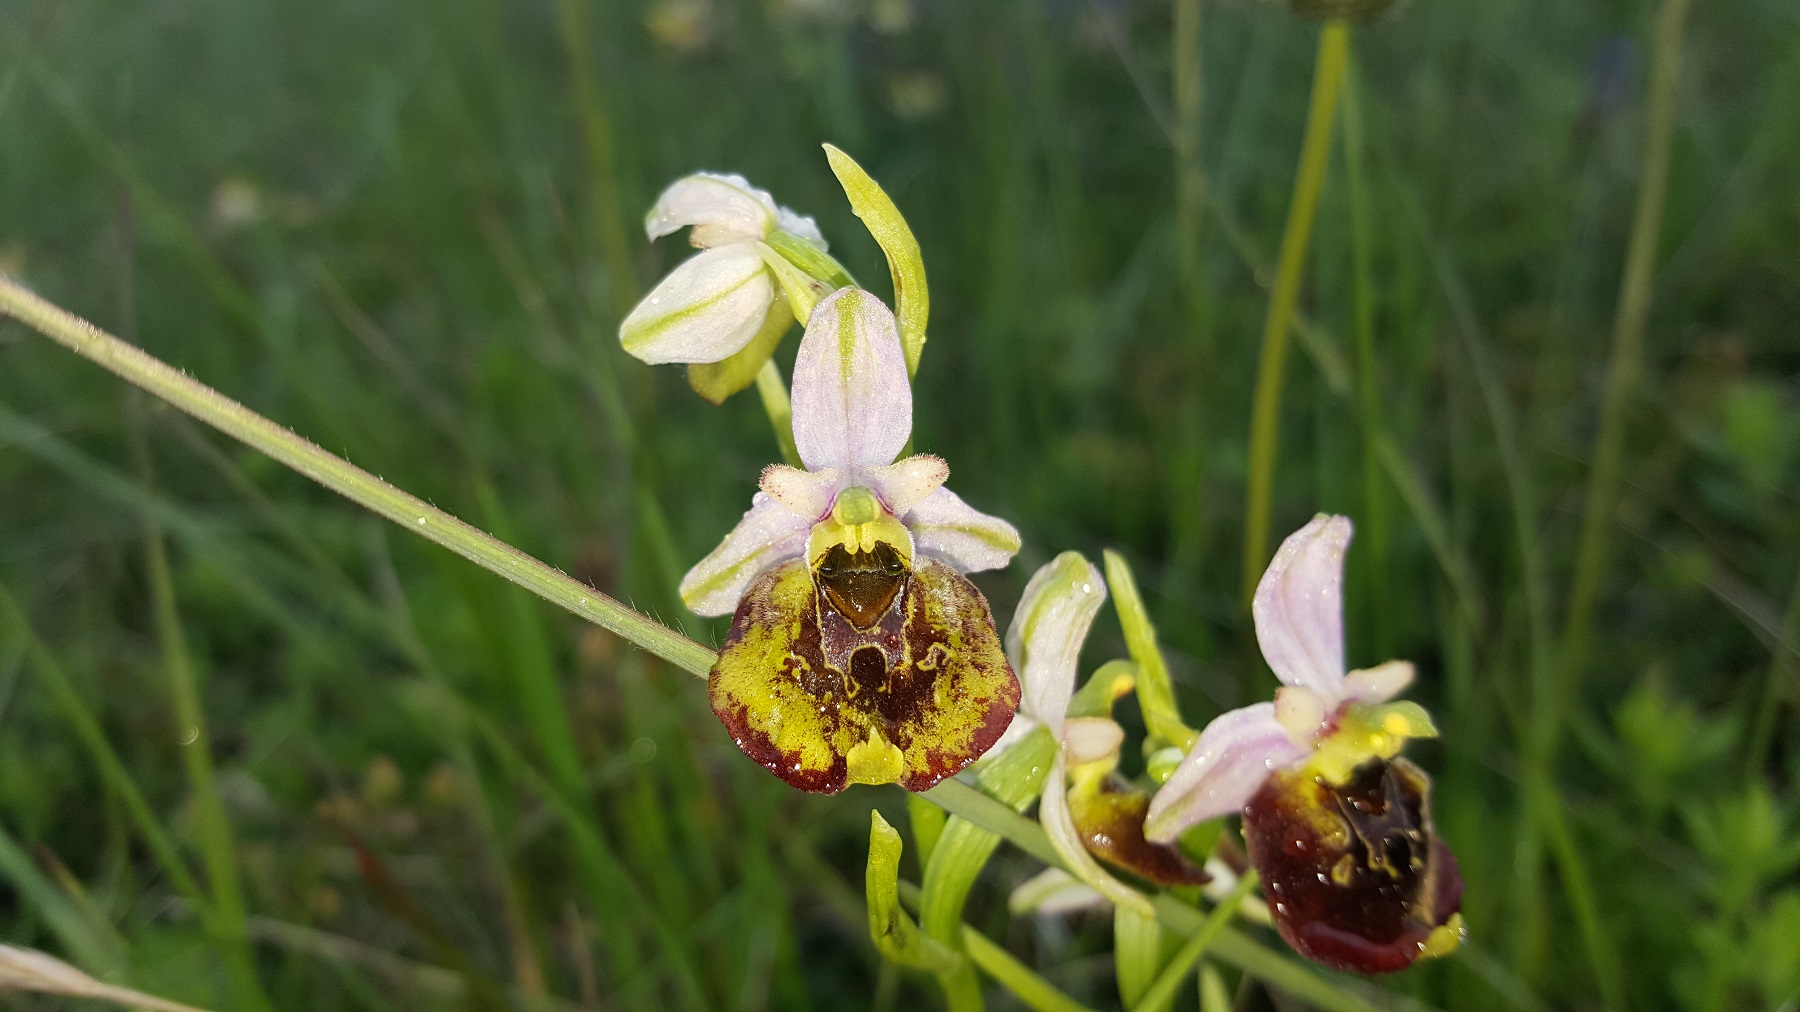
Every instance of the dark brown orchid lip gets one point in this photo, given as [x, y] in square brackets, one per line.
[861, 586]
[1110, 819]
[1353, 872]
[824, 695]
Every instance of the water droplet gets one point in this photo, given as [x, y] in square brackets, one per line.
[643, 750]
[191, 735]
[421, 521]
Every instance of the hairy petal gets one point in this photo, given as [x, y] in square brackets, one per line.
[1048, 628]
[806, 494]
[1059, 826]
[852, 400]
[1299, 608]
[903, 483]
[707, 309]
[726, 206]
[767, 536]
[949, 529]
[1234, 755]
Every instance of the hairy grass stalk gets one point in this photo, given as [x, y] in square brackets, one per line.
[228, 416]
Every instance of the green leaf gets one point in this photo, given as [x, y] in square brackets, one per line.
[1155, 695]
[927, 825]
[894, 933]
[912, 300]
[1014, 777]
[1137, 954]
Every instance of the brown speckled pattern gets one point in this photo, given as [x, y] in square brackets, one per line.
[798, 685]
[1354, 874]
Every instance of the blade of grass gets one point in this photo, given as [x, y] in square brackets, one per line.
[1265, 411]
[218, 849]
[1626, 359]
[600, 145]
[94, 945]
[112, 768]
[1593, 553]
[1781, 674]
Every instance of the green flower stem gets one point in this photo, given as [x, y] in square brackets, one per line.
[228, 416]
[1190, 176]
[1162, 990]
[780, 409]
[1374, 521]
[1265, 411]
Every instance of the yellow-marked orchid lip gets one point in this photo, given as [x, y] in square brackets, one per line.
[876, 761]
[912, 696]
[858, 538]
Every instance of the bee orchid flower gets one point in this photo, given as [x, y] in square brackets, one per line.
[1338, 826]
[858, 651]
[1087, 810]
[725, 303]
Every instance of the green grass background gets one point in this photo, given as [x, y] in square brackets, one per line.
[408, 230]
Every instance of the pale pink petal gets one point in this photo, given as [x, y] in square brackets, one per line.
[1059, 826]
[947, 528]
[806, 494]
[903, 483]
[767, 536]
[1379, 683]
[1047, 630]
[852, 399]
[1299, 608]
[1232, 758]
[726, 207]
[706, 310]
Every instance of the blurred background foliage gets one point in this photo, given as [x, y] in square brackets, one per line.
[408, 230]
